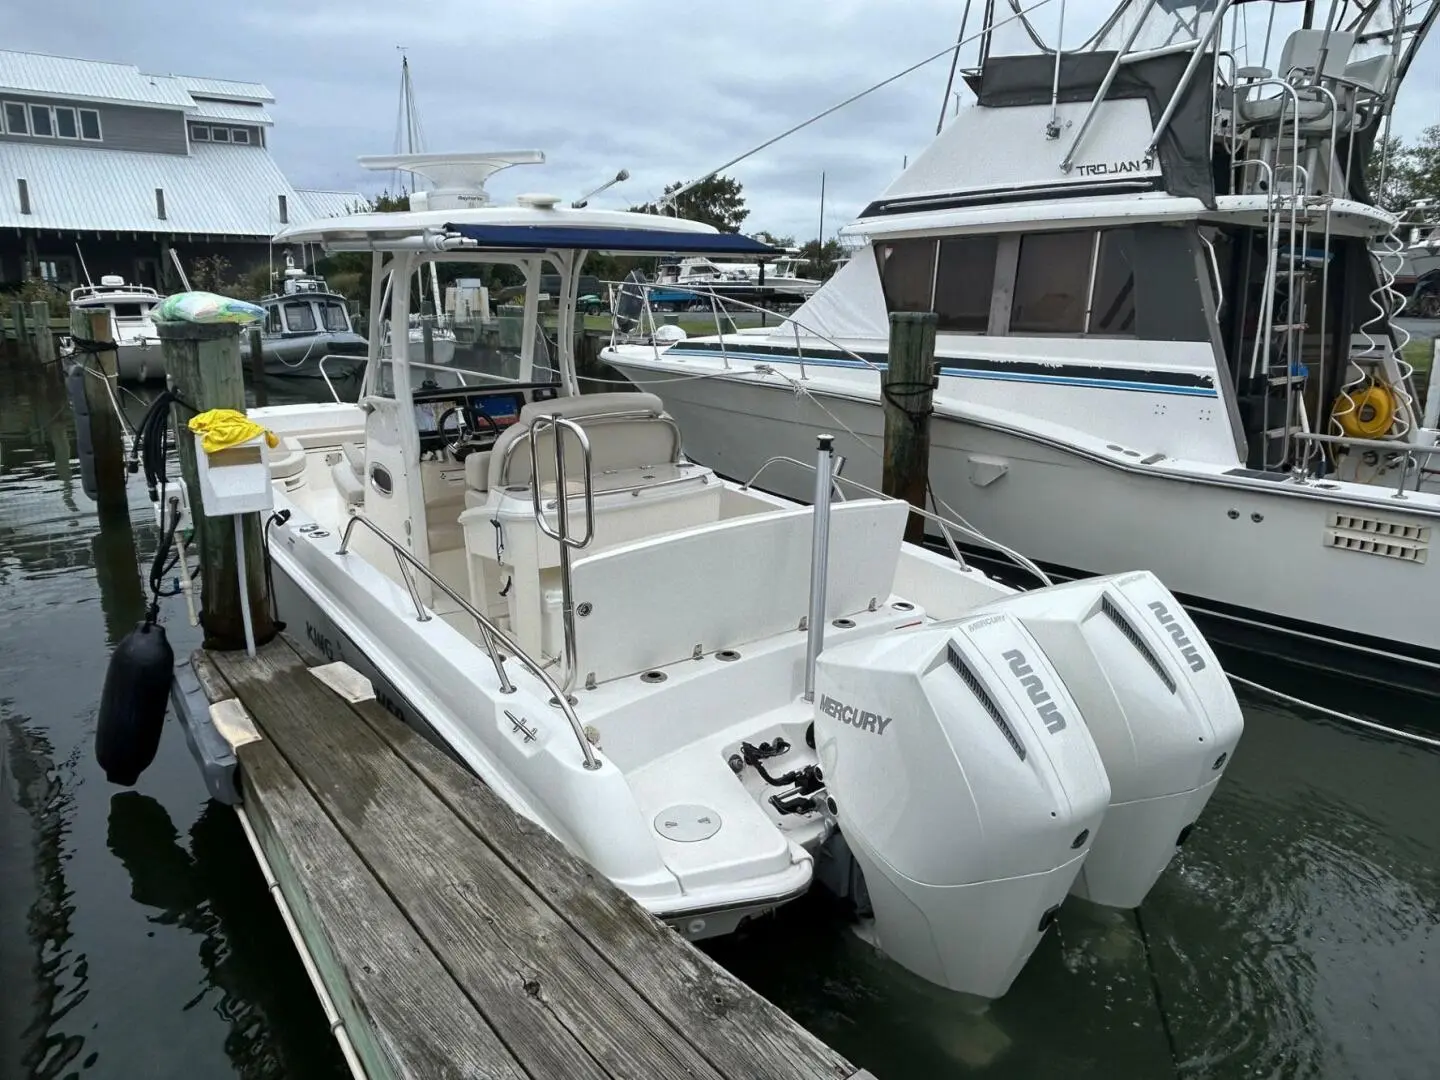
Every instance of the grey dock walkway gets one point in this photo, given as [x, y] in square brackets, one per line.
[457, 939]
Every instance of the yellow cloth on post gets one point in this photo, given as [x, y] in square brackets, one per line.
[222, 428]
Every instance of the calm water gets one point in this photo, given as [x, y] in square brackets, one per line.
[1297, 936]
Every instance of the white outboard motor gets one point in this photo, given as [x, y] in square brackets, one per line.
[966, 788]
[1159, 708]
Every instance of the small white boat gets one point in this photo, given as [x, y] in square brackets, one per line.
[132, 327]
[716, 696]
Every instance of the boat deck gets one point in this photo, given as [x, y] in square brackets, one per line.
[452, 937]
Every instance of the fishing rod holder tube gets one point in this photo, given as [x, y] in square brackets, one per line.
[819, 558]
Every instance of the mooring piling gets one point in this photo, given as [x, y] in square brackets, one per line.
[203, 361]
[908, 388]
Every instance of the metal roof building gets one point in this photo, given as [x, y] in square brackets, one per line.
[109, 157]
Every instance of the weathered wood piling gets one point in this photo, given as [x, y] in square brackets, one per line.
[203, 362]
[908, 389]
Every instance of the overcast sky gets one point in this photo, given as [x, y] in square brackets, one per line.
[668, 90]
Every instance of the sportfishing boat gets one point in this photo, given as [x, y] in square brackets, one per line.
[132, 328]
[306, 322]
[715, 695]
[1164, 299]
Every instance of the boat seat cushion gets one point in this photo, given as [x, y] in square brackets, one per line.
[626, 431]
[348, 483]
[354, 457]
[287, 459]
[477, 472]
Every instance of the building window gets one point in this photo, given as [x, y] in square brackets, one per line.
[16, 120]
[240, 135]
[219, 134]
[1112, 305]
[55, 269]
[65, 125]
[42, 123]
[89, 125]
[199, 132]
[964, 280]
[907, 273]
[1052, 282]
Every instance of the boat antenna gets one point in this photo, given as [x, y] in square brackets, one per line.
[407, 119]
[84, 269]
[954, 64]
[668, 199]
[620, 177]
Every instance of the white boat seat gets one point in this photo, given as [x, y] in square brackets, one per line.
[626, 431]
[287, 460]
[354, 457]
[348, 483]
[1301, 65]
[477, 476]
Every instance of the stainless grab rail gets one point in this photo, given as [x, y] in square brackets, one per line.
[1351, 442]
[488, 630]
[561, 533]
[592, 420]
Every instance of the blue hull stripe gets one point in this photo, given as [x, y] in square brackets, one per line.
[1115, 382]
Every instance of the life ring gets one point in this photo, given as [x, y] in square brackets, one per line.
[1371, 413]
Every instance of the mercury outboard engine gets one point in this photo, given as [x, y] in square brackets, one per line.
[966, 788]
[1159, 707]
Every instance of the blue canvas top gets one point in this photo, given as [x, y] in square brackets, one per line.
[594, 238]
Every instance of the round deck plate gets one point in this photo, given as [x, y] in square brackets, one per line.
[687, 823]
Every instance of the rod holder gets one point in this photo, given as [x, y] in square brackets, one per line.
[819, 558]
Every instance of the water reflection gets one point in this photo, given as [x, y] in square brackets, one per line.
[211, 890]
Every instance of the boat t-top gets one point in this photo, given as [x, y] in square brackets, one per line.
[719, 697]
[132, 328]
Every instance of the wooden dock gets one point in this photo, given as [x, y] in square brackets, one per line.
[455, 938]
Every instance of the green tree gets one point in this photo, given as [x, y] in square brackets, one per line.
[717, 201]
[1420, 171]
[822, 260]
[1391, 158]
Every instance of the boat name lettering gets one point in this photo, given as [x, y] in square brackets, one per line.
[849, 714]
[1177, 633]
[328, 648]
[1112, 168]
[1039, 696]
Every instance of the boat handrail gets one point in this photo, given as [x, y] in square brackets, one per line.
[717, 301]
[594, 419]
[561, 533]
[1352, 442]
[491, 633]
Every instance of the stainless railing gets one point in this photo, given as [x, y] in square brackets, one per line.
[594, 419]
[1389, 445]
[561, 532]
[493, 636]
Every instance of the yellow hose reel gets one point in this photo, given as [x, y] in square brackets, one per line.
[1371, 413]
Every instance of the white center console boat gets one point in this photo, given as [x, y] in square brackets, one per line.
[718, 696]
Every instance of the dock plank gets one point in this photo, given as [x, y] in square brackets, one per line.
[556, 1002]
[400, 1008]
[739, 1032]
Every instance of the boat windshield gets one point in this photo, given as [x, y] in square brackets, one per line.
[334, 317]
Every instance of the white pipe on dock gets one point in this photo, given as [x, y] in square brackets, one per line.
[337, 1025]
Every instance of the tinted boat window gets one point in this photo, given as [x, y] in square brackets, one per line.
[1112, 309]
[334, 316]
[963, 283]
[1051, 283]
[129, 311]
[907, 273]
[298, 316]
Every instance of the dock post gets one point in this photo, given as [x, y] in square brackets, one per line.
[203, 364]
[102, 395]
[40, 327]
[908, 389]
[257, 368]
[17, 316]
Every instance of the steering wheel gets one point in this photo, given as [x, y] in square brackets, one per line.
[459, 448]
